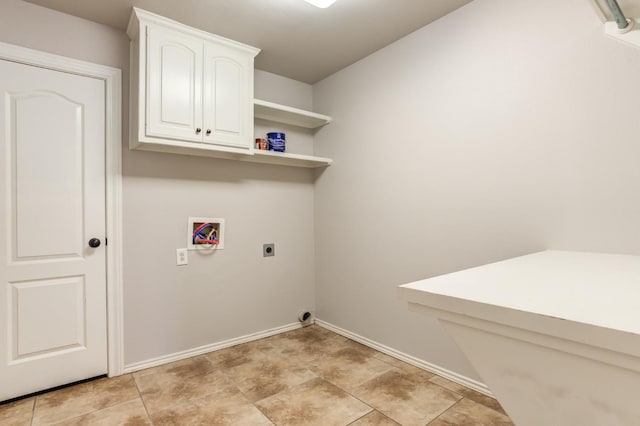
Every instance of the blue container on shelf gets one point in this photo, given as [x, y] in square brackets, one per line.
[276, 141]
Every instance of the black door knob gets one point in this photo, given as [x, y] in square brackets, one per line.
[94, 242]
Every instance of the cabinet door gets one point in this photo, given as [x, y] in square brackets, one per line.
[228, 96]
[174, 79]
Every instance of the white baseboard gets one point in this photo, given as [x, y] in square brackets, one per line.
[443, 372]
[154, 362]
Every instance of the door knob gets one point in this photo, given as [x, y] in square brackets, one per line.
[94, 242]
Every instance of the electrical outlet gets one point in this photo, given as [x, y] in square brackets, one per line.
[268, 250]
[182, 258]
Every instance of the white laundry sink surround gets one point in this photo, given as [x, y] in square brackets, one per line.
[555, 335]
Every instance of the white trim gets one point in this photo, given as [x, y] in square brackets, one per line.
[140, 18]
[113, 169]
[440, 371]
[177, 356]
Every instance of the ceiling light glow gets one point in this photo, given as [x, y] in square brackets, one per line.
[321, 3]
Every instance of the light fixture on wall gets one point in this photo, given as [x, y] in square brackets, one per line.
[321, 3]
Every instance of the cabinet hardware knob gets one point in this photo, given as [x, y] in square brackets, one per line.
[208, 132]
[198, 130]
[94, 242]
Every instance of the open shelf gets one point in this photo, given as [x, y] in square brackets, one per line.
[283, 114]
[287, 159]
[288, 115]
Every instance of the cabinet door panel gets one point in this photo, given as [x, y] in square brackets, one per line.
[228, 97]
[174, 72]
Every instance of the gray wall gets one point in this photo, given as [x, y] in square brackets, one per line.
[235, 291]
[504, 128]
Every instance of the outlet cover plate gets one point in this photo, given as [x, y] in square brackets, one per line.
[182, 257]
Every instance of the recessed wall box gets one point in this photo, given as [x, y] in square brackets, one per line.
[205, 233]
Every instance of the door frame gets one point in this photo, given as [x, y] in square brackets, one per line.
[112, 78]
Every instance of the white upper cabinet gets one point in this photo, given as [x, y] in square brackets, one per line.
[191, 91]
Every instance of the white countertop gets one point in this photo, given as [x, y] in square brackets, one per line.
[602, 290]
[546, 332]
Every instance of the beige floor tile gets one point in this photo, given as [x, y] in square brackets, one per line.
[308, 376]
[309, 333]
[308, 344]
[375, 418]
[84, 398]
[312, 336]
[232, 410]
[468, 393]
[16, 421]
[130, 413]
[263, 378]
[240, 354]
[316, 402]
[183, 368]
[406, 367]
[164, 390]
[350, 344]
[17, 412]
[470, 413]
[408, 399]
[349, 367]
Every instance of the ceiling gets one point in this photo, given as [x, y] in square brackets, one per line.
[298, 40]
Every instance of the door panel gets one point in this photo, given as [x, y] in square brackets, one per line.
[41, 191]
[174, 67]
[227, 97]
[52, 187]
[228, 92]
[37, 324]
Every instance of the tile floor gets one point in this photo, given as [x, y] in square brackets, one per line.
[309, 376]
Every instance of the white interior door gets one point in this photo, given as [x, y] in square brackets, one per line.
[52, 185]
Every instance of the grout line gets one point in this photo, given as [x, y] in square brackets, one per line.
[264, 414]
[64, 421]
[363, 416]
[33, 410]
[463, 396]
[441, 414]
[135, 382]
[447, 389]
[387, 417]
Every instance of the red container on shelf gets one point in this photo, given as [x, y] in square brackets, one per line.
[262, 144]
